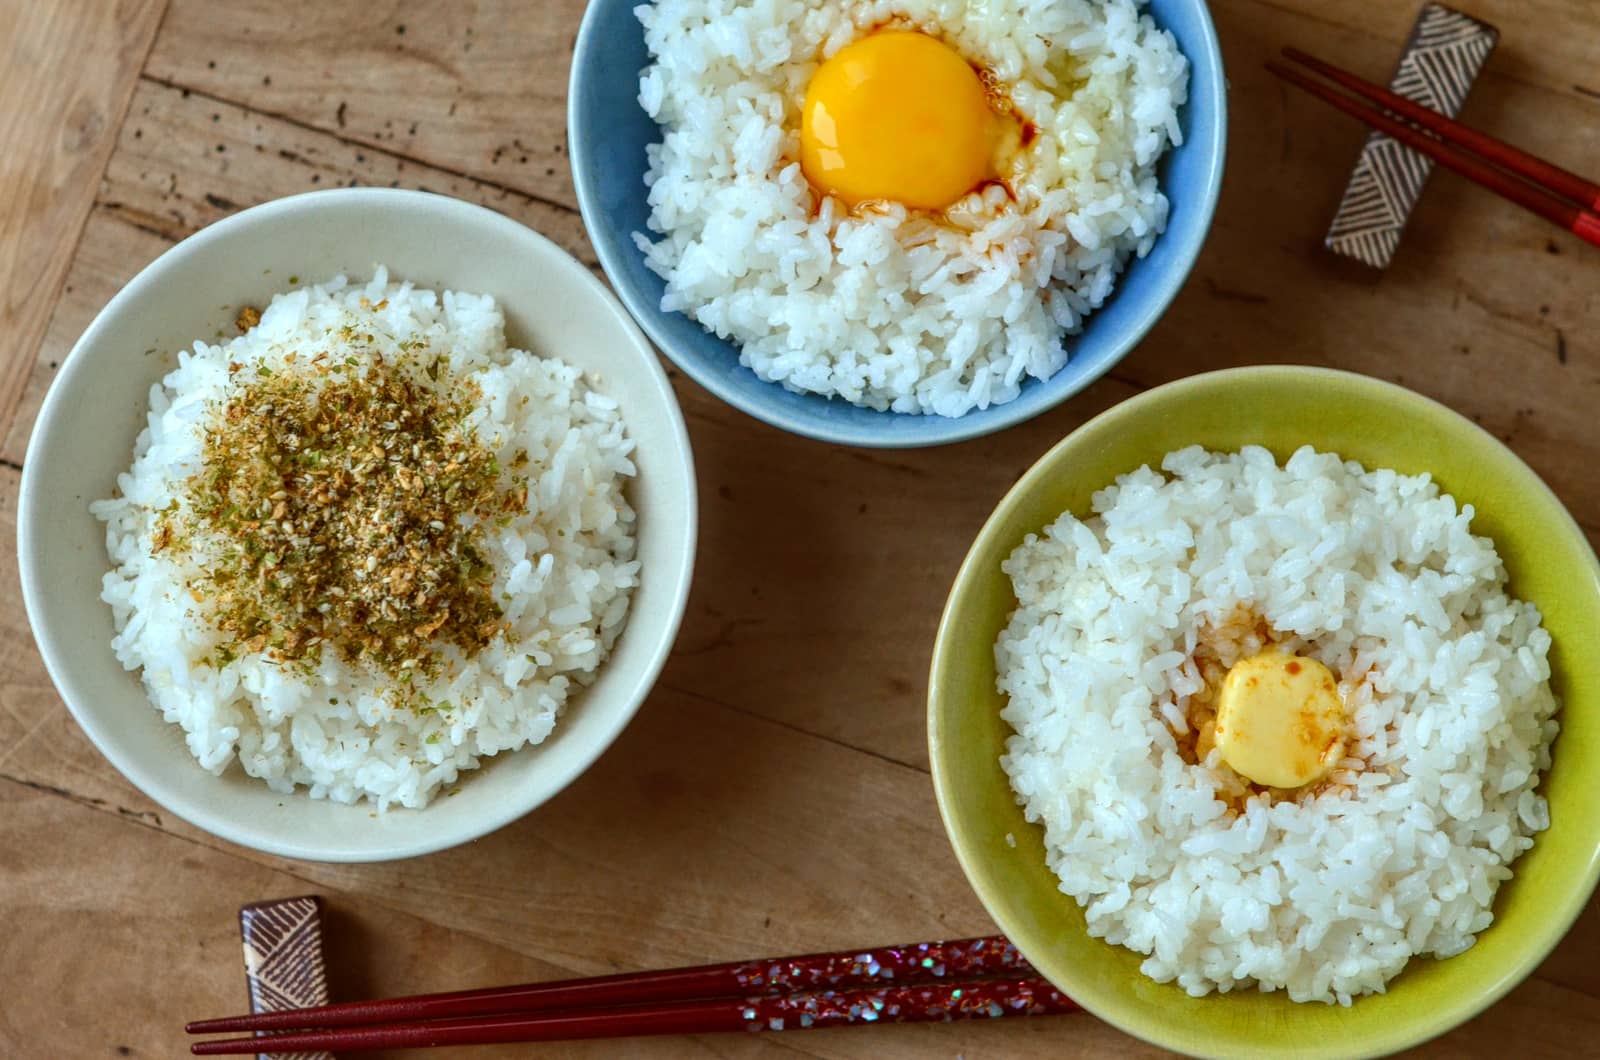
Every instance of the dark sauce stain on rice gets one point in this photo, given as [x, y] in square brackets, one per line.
[996, 182]
[1240, 633]
[1000, 100]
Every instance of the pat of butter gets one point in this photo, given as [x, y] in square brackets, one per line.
[1280, 721]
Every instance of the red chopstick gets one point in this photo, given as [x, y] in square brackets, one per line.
[1538, 197]
[941, 1002]
[1563, 182]
[989, 957]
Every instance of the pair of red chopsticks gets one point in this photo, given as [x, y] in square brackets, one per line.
[1532, 183]
[980, 978]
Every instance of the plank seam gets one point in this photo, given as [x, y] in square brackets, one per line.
[1365, 31]
[120, 211]
[302, 124]
[14, 389]
[279, 865]
[206, 841]
[149, 818]
[791, 727]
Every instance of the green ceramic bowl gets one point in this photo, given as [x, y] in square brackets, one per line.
[1282, 408]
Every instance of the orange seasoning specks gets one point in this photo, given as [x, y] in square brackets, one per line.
[1282, 719]
[1313, 730]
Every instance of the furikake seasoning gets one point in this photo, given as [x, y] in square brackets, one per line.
[342, 506]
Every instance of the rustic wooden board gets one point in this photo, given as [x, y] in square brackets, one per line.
[772, 795]
[479, 89]
[65, 76]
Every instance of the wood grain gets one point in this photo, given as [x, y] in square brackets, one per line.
[1485, 308]
[64, 82]
[772, 795]
[182, 161]
[633, 866]
[479, 88]
[753, 627]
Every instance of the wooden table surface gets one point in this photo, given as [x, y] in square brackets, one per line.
[773, 794]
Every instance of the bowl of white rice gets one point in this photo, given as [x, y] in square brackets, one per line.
[357, 525]
[874, 322]
[1106, 806]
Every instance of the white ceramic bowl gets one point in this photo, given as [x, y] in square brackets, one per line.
[85, 434]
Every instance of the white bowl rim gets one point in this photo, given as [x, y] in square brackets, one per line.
[57, 655]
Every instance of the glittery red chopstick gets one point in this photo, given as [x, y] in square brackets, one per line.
[918, 962]
[808, 1010]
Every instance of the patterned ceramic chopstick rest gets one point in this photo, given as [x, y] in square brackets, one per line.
[283, 961]
[1441, 60]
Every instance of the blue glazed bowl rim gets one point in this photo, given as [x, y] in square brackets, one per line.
[1205, 61]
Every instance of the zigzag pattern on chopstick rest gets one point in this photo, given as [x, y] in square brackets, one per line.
[283, 961]
[1441, 60]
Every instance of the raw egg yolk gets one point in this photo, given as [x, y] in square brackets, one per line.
[1280, 721]
[897, 116]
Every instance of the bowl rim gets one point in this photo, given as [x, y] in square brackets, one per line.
[975, 424]
[57, 655]
[1107, 1006]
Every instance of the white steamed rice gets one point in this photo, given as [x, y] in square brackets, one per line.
[1375, 574]
[890, 309]
[564, 567]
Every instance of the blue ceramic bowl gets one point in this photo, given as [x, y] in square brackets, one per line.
[607, 132]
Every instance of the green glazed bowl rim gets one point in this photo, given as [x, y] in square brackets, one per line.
[969, 831]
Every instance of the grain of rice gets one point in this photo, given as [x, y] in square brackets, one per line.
[889, 308]
[563, 566]
[1375, 574]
